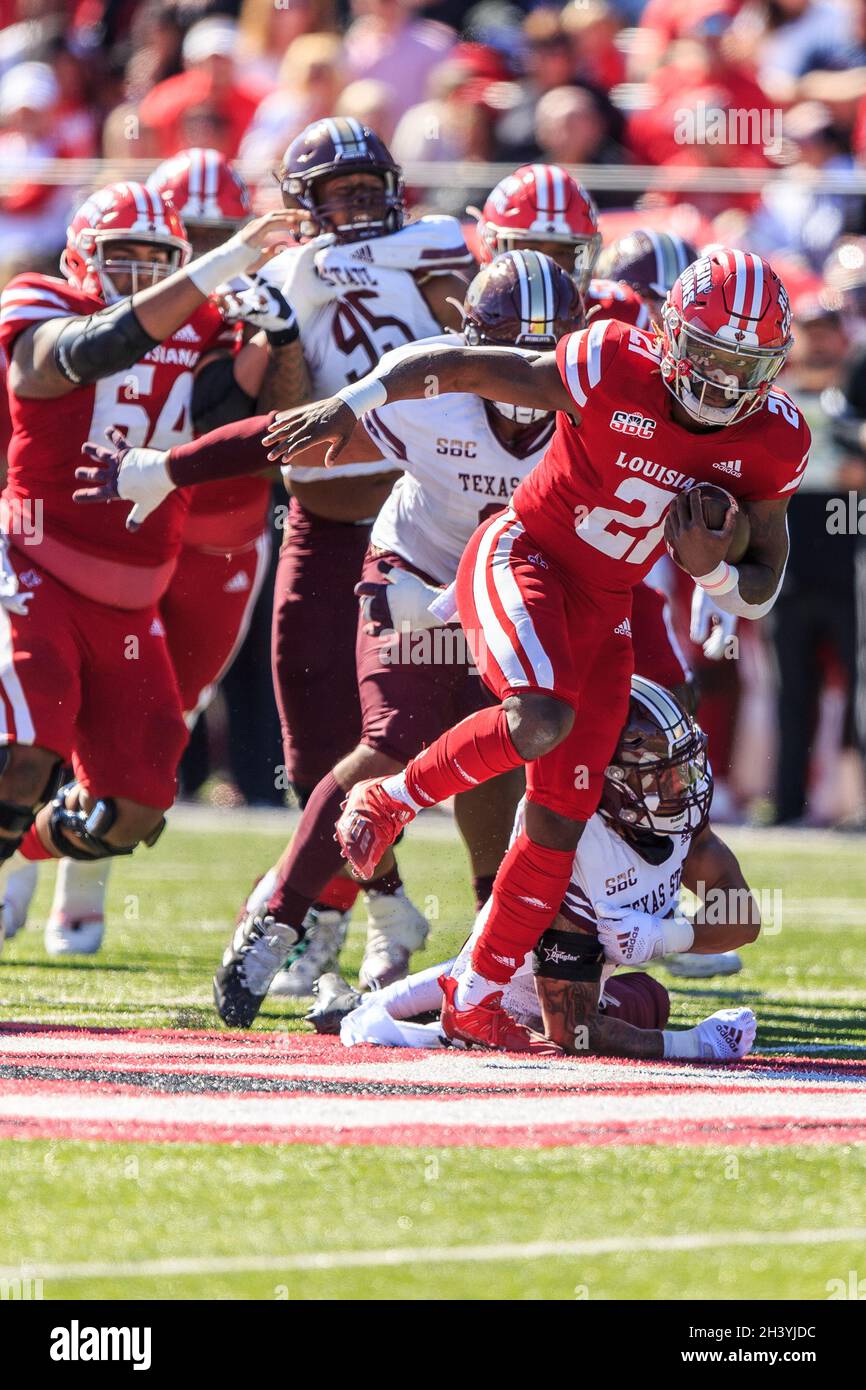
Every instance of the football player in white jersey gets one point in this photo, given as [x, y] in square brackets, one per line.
[461, 459]
[649, 839]
[361, 284]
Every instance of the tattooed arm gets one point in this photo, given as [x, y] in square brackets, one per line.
[286, 381]
[569, 1008]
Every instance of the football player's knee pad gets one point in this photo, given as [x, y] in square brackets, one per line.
[568, 955]
[17, 819]
[88, 829]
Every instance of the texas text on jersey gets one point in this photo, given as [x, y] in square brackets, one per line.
[597, 500]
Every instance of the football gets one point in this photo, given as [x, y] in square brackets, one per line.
[715, 501]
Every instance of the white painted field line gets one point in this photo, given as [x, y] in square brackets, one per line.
[427, 1255]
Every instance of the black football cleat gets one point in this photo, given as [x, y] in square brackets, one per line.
[334, 1000]
[257, 950]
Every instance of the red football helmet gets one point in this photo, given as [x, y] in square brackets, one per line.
[726, 332]
[521, 299]
[121, 212]
[342, 145]
[541, 203]
[205, 189]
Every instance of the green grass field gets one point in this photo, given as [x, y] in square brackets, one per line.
[106, 1204]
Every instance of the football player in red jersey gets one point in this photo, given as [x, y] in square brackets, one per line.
[544, 592]
[116, 345]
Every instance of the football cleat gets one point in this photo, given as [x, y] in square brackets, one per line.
[395, 928]
[689, 966]
[18, 893]
[727, 1035]
[369, 823]
[488, 1025]
[315, 955]
[74, 936]
[257, 950]
[334, 1000]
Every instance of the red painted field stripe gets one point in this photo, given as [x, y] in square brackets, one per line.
[310, 1047]
[731, 1134]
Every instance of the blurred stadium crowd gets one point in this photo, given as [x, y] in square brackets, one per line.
[674, 113]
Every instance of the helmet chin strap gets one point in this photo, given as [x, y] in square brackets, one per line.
[520, 414]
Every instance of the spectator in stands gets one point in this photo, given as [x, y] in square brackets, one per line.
[266, 30]
[573, 126]
[371, 103]
[207, 96]
[794, 219]
[33, 215]
[310, 81]
[387, 43]
[592, 27]
[815, 612]
[548, 63]
[786, 38]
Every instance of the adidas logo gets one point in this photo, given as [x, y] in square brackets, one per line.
[623, 629]
[238, 584]
[535, 902]
[187, 334]
[156, 628]
[733, 467]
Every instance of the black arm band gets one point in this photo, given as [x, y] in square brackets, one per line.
[98, 346]
[278, 338]
[568, 955]
[216, 397]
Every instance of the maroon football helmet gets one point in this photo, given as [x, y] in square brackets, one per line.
[521, 299]
[647, 260]
[342, 145]
[659, 780]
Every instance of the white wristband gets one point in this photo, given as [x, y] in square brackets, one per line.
[215, 267]
[678, 933]
[720, 580]
[364, 395]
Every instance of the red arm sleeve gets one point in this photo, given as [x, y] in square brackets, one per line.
[228, 452]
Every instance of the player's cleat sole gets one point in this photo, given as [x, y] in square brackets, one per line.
[257, 950]
[73, 936]
[335, 999]
[488, 1025]
[727, 1035]
[325, 932]
[395, 928]
[369, 823]
[690, 966]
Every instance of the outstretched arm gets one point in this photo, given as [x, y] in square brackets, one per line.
[146, 476]
[498, 374]
[53, 357]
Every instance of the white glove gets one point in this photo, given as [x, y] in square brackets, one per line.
[633, 938]
[398, 600]
[710, 625]
[135, 475]
[295, 275]
[261, 305]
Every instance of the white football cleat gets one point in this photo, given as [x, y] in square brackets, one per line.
[687, 965]
[395, 928]
[73, 936]
[314, 956]
[18, 893]
[727, 1035]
